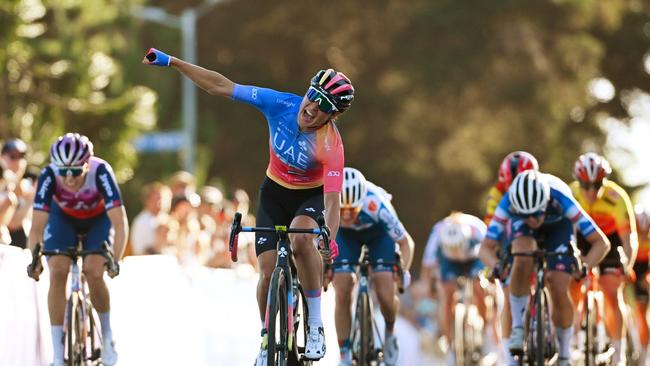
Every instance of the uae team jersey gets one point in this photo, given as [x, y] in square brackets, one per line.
[377, 210]
[298, 160]
[561, 206]
[99, 192]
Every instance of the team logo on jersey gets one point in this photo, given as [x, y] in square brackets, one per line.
[46, 183]
[333, 173]
[372, 206]
[261, 240]
[107, 185]
[310, 209]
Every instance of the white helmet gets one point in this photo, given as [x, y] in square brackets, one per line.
[529, 193]
[354, 188]
[454, 240]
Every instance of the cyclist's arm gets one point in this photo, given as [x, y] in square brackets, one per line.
[332, 212]
[599, 247]
[208, 80]
[626, 226]
[406, 246]
[7, 208]
[117, 215]
[487, 253]
[39, 220]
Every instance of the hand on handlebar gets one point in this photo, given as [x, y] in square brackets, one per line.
[334, 250]
[113, 270]
[35, 269]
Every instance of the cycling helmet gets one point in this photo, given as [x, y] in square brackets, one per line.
[336, 86]
[454, 240]
[71, 149]
[529, 193]
[515, 163]
[591, 168]
[354, 188]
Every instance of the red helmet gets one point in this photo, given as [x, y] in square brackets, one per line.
[515, 163]
[591, 168]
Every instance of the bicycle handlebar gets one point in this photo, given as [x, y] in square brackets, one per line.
[112, 268]
[236, 228]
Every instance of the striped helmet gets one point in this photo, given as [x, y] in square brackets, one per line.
[71, 149]
[591, 168]
[529, 193]
[354, 188]
[336, 86]
[515, 163]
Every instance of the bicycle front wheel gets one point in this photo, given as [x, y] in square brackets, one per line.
[74, 335]
[362, 331]
[590, 346]
[540, 327]
[459, 333]
[277, 313]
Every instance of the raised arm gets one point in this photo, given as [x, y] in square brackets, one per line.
[208, 80]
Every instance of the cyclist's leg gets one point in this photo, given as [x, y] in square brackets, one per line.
[641, 295]
[610, 283]
[309, 264]
[447, 286]
[522, 268]
[349, 251]
[559, 239]
[382, 257]
[59, 234]
[98, 231]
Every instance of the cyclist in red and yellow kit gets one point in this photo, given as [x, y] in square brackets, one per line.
[610, 207]
[642, 284]
[513, 164]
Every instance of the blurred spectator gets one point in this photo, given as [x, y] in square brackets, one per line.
[144, 237]
[182, 183]
[13, 156]
[185, 230]
[241, 201]
[8, 203]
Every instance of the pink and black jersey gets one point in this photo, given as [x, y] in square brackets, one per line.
[298, 159]
[98, 194]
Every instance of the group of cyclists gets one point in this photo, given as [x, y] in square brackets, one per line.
[305, 179]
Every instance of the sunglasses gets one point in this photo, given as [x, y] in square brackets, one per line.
[73, 171]
[588, 186]
[535, 215]
[15, 156]
[324, 103]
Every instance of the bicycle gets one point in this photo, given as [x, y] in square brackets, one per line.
[539, 335]
[286, 296]
[364, 327]
[596, 351]
[82, 335]
[468, 326]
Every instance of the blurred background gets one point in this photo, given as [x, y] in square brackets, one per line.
[444, 90]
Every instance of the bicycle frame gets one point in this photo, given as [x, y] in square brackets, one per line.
[283, 270]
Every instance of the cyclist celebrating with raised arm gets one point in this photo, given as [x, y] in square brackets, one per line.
[610, 207]
[368, 217]
[452, 251]
[77, 194]
[541, 213]
[303, 178]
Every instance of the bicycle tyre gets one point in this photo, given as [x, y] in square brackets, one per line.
[540, 327]
[590, 330]
[277, 348]
[363, 330]
[94, 332]
[73, 331]
[459, 333]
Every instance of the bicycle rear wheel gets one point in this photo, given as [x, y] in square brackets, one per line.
[300, 316]
[277, 332]
[540, 327]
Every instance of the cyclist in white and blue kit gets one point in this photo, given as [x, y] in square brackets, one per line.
[451, 252]
[542, 214]
[368, 217]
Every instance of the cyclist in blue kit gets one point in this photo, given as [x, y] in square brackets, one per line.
[303, 178]
[368, 217]
[77, 194]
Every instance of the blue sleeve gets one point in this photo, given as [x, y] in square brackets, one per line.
[572, 210]
[45, 190]
[499, 220]
[107, 186]
[268, 101]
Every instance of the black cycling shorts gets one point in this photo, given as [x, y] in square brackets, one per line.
[279, 205]
[640, 286]
[612, 260]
